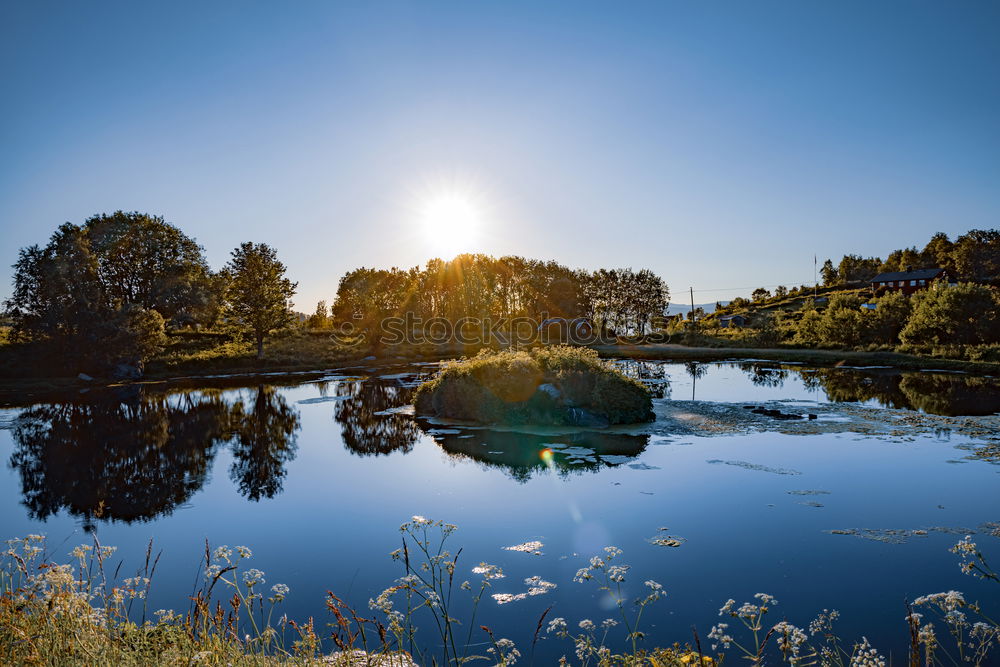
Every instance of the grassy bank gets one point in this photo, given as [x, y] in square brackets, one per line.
[79, 613]
[27, 372]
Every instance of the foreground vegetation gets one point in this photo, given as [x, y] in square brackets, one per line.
[79, 613]
[558, 385]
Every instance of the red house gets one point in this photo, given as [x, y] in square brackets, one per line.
[907, 282]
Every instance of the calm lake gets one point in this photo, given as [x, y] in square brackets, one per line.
[316, 472]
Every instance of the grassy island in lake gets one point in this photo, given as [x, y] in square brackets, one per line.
[560, 386]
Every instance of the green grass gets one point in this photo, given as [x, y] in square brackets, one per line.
[509, 387]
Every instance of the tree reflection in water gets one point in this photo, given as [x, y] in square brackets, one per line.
[366, 428]
[949, 394]
[134, 455]
[263, 443]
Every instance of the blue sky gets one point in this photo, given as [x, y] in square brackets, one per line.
[720, 144]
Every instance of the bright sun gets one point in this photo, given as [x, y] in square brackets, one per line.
[450, 223]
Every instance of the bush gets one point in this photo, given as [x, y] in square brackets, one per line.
[947, 315]
[558, 385]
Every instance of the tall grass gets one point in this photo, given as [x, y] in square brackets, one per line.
[83, 612]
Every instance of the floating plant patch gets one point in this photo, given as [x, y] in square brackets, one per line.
[755, 466]
[534, 547]
[323, 399]
[536, 586]
[808, 492]
[901, 535]
[661, 539]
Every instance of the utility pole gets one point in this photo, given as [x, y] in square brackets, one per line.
[692, 306]
[815, 277]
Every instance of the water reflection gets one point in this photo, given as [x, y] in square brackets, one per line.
[263, 443]
[366, 428]
[522, 455]
[762, 375]
[937, 394]
[133, 455]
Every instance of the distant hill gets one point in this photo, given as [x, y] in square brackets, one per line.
[683, 308]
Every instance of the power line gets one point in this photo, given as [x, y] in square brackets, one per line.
[726, 289]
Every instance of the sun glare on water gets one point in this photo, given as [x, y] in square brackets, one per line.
[450, 223]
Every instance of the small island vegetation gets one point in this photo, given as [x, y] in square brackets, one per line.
[559, 386]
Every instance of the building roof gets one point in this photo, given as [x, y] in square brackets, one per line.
[732, 317]
[919, 274]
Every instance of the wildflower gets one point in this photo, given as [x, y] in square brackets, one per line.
[505, 652]
[790, 638]
[505, 598]
[823, 623]
[244, 552]
[655, 592]
[612, 552]
[280, 591]
[719, 634]
[81, 551]
[213, 571]
[383, 602]
[418, 520]
[865, 655]
[557, 626]
[466, 586]
[616, 573]
[945, 601]
[955, 618]
[766, 600]
[582, 575]
[608, 623]
[222, 553]
[586, 625]
[252, 577]
[727, 608]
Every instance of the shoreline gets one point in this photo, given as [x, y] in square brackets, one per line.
[21, 391]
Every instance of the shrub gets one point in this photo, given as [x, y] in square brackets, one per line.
[961, 314]
[557, 385]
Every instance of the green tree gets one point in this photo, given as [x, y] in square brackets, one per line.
[829, 274]
[937, 253]
[976, 254]
[960, 314]
[98, 294]
[760, 294]
[258, 293]
[891, 313]
[319, 319]
[857, 269]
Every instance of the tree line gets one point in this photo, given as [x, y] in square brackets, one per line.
[623, 301]
[973, 256]
[100, 294]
